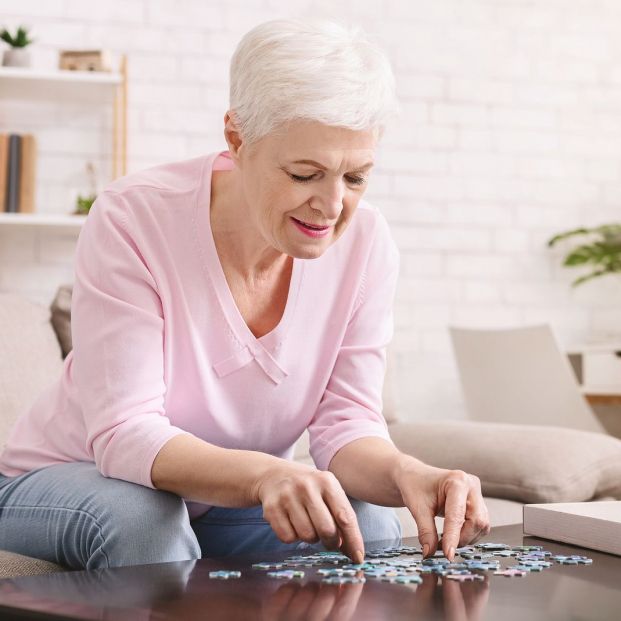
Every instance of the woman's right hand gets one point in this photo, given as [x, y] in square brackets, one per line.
[303, 503]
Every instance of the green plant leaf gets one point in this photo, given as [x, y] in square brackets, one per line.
[589, 253]
[19, 40]
[583, 279]
[561, 236]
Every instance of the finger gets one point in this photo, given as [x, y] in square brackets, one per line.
[427, 533]
[477, 522]
[346, 521]
[280, 523]
[323, 522]
[454, 514]
[301, 521]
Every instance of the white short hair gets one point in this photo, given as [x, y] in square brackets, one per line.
[316, 70]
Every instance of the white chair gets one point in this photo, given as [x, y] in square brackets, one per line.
[519, 375]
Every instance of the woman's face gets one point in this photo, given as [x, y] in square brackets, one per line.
[302, 186]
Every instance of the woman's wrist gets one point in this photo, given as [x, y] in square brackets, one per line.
[407, 467]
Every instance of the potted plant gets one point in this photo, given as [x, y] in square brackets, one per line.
[17, 55]
[602, 250]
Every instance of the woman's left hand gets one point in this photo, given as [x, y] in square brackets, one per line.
[453, 494]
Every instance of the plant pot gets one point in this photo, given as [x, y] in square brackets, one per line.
[16, 57]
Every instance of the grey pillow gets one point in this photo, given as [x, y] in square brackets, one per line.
[527, 463]
[61, 317]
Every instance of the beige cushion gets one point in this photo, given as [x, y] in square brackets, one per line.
[12, 565]
[61, 317]
[528, 463]
[31, 357]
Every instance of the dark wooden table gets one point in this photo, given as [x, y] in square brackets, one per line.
[183, 591]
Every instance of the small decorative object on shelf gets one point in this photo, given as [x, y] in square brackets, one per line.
[84, 202]
[603, 252]
[85, 60]
[17, 55]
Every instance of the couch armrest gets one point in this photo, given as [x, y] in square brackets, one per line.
[527, 463]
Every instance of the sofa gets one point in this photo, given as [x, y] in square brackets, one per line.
[517, 464]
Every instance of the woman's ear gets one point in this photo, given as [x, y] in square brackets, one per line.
[232, 135]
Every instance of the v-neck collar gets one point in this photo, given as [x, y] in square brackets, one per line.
[263, 349]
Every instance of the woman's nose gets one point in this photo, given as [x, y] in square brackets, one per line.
[332, 201]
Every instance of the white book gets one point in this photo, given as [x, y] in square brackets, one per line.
[595, 525]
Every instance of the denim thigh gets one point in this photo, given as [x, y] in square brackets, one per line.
[222, 531]
[72, 515]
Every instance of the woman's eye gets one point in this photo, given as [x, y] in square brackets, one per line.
[352, 180]
[301, 179]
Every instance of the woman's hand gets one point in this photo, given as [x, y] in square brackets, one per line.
[428, 491]
[301, 502]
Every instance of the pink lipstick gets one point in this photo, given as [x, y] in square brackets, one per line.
[310, 229]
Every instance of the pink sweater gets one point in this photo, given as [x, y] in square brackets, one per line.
[160, 347]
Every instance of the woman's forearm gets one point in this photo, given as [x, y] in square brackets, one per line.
[368, 469]
[203, 472]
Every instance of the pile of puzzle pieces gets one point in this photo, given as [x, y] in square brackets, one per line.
[406, 565]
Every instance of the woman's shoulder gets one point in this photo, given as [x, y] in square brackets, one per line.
[171, 177]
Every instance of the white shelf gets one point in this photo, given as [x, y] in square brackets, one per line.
[60, 221]
[601, 389]
[18, 82]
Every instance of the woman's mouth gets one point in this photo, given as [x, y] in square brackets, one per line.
[312, 230]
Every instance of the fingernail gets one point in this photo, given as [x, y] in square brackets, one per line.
[358, 557]
[425, 550]
[451, 554]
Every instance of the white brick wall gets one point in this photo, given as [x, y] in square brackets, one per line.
[511, 132]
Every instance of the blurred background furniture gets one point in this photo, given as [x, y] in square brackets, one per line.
[520, 375]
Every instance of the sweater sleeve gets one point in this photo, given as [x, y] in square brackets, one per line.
[351, 406]
[117, 328]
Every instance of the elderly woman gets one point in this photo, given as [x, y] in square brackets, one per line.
[222, 305]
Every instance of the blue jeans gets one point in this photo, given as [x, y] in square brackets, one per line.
[72, 515]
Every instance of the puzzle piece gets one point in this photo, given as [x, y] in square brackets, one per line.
[535, 563]
[489, 547]
[223, 574]
[381, 554]
[527, 548]
[410, 550]
[465, 550]
[527, 568]
[483, 565]
[540, 553]
[267, 565]
[505, 553]
[435, 561]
